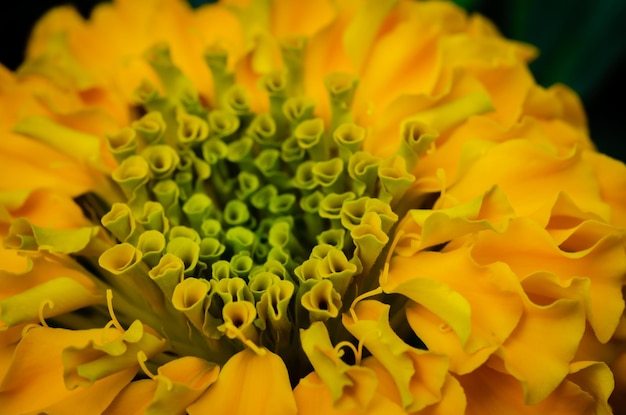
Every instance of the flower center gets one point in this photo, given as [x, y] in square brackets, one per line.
[240, 228]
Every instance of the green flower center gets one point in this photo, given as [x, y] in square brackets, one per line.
[240, 229]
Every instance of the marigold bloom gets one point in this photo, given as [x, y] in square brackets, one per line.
[328, 206]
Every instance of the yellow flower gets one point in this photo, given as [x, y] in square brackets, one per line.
[348, 206]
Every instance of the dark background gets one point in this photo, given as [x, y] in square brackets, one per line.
[582, 43]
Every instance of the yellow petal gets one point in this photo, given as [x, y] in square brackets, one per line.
[618, 367]
[363, 28]
[436, 296]
[249, 384]
[457, 151]
[453, 400]
[571, 228]
[558, 101]
[596, 379]
[51, 298]
[112, 352]
[611, 176]
[46, 167]
[94, 398]
[483, 288]
[425, 228]
[178, 384]
[351, 386]
[558, 327]
[603, 263]
[85, 148]
[26, 236]
[181, 382]
[37, 270]
[519, 165]
[314, 397]
[34, 380]
[56, 20]
[507, 86]
[133, 399]
[390, 60]
[491, 392]
[452, 396]
[44, 208]
[56, 63]
[418, 374]
[289, 19]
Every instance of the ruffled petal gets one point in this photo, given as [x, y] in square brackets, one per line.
[423, 229]
[603, 263]
[483, 289]
[558, 327]
[611, 175]
[530, 166]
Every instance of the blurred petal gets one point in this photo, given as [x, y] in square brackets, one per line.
[611, 175]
